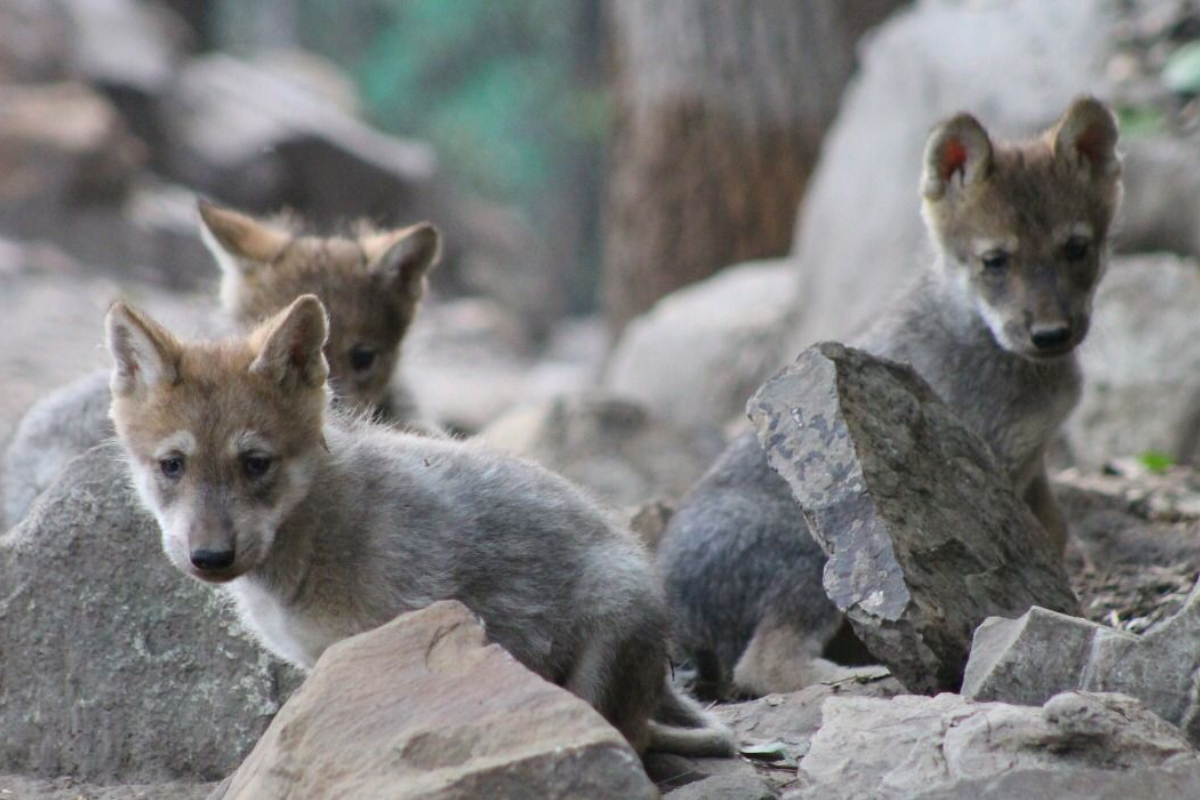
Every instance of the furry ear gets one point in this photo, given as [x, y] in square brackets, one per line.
[239, 243]
[290, 345]
[958, 154]
[1086, 137]
[404, 257]
[144, 353]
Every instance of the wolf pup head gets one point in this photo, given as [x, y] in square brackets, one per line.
[371, 284]
[222, 437]
[1021, 228]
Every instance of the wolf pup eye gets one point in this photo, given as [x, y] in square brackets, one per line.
[361, 358]
[1076, 248]
[995, 261]
[172, 467]
[255, 466]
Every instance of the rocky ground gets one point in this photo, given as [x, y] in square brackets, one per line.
[137, 684]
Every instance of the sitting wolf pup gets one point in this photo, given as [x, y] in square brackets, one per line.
[1019, 231]
[321, 529]
[372, 285]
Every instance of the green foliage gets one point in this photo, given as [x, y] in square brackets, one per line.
[1141, 121]
[1156, 461]
[1181, 73]
[493, 85]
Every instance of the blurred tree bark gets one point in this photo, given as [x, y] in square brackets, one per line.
[720, 111]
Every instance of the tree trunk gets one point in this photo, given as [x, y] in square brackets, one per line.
[721, 106]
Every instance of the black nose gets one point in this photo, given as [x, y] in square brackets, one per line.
[212, 559]
[1047, 338]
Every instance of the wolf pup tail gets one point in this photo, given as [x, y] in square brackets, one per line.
[683, 728]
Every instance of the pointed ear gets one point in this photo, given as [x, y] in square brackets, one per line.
[144, 353]
[290, 345]
[958, 154]
[239, 243]
[1086, 137]
[403, 258]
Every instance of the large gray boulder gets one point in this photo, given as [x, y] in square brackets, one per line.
[859, 236]
[924, 533]
[702, 350]
[1141, 364]
[1078, 746]
[260, 140]
[424, 707]
[617, 449]
[115, 667]
[1030, 658]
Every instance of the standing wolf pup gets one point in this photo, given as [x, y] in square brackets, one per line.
[321, 529]
[1019, 230]
[372, 285]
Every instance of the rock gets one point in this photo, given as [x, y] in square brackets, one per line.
[116, 667]
[783, 723]
[921, 747]
[702, 350]
[20, 788]
[617, 449]
[423, 707]
[33, 41]
[859, 235]
[726, 787]
[123, 45]
[470, 360]
[260, 141]
[1039, 654]
[924, 533]
[1141, 364]
[1161, 208]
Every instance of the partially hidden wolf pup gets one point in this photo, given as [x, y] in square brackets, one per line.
[321, 529]
[1019, 230]
[371, 283]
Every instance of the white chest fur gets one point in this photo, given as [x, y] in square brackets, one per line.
[291, 636]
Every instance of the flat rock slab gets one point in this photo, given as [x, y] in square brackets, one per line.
[951, 747]
[114, 667]
[1041, 653]
[925, 536]
[776, 728]
[424, 707]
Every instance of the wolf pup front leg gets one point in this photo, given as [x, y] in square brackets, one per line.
[321, 527]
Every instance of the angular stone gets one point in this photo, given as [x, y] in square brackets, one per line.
[702, 350]
[726, 787]
[951, 747]
[924, 533]
[115, 667]
[617, 449]
[424, 707]
[1141, 365]
[1039, 654]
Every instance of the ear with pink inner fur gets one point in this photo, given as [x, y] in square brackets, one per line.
[1086, 137]
[958, 154]
[144, 353]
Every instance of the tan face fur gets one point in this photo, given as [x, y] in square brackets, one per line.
[222, 437]
[1022, 227]
[371, 285]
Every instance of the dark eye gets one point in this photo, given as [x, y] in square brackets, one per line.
[995, 261]
[172, 467]
[255, 465]
[361, 358]
[1076, 248]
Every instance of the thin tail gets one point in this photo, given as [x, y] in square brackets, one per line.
[681, 726]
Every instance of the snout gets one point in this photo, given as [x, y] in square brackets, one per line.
[1052, 340]
[212, 560]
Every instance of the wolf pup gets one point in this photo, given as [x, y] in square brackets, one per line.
[321, 529]
[1019, 230]
[371, 283]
